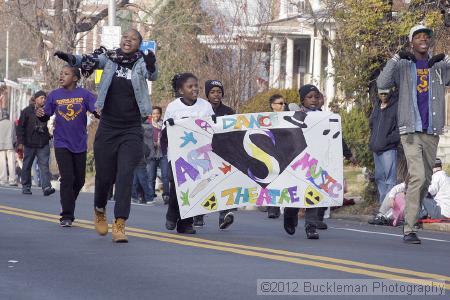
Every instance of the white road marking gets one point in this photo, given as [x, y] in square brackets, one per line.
[391, 234]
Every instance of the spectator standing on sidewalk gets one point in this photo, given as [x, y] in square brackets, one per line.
[384, 140]
[33, 137]
[158, 156]
[420, 80]
[7, 152]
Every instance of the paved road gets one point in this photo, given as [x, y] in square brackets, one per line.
[40, 260]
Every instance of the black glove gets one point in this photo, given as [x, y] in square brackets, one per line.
[407, 55]
[69, 58]
[150, 60]
[435, 59]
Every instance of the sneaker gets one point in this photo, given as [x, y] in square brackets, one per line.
[290, 224]
[48, 191]
[411, 238]
[118, 231]
[321, 225]
[273, 212]
[65, 223]
[311, 233]
[199, 221]
[166, 200]
[27, 192]
[100, 222]
[170, 225]
[378, 220]
[227, 220]
[149, 202]
[13, 184]
[187, 229]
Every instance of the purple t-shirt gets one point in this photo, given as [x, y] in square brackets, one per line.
[422, 91]
[70, 109]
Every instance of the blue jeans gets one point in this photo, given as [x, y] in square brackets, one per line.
[431, 209]
[140, 180]
[385, 172]
[152, 166]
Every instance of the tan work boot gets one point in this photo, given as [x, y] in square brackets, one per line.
[118, 231]
[101, 224]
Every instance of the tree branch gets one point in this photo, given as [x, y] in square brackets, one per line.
[89, 23]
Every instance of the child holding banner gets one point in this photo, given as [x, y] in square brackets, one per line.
[70, 105]
[187, 104]
[214, 93]
[310, 98]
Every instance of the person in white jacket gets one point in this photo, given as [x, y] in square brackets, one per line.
[7, 153]
[436, 205]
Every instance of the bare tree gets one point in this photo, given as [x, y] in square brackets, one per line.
[54, 25]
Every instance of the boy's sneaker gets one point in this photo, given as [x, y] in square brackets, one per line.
[27, 192]
[65, 223]
[411, 238]
[311, 233]
[226, 221]
[135, 200]
[321, 225]
[198, 221]
[48, 191]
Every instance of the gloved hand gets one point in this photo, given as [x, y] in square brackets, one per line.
[69, 58]
[407, 55]
[435, 59]
[150, 60]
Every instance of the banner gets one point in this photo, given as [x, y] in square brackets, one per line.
[290, 159]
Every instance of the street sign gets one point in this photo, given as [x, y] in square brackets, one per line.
[111, 36]
[148, 45]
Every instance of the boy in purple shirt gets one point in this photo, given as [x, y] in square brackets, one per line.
[70, 105]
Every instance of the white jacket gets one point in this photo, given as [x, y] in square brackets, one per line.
[7, 135]
[440, 190]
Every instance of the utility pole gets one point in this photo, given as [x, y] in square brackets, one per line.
[112, 13]
[7, 55]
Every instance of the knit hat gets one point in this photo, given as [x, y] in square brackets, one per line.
[304, 90]
[419, 28]
[39, 94]
[438, 163]
[209, 84]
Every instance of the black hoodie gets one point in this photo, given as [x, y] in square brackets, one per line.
[384, 134]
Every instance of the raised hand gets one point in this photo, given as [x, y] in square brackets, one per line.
[69, 58]
[150, 60]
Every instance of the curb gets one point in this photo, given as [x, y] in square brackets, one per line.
[442, 227]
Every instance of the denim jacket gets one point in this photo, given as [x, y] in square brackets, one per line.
[139, 76]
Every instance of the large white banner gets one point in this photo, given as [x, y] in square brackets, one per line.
[288, 159]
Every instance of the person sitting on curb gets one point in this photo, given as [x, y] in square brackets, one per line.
[436, 205]
[385, 213]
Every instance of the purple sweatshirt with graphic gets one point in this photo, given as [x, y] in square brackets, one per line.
[70, 107]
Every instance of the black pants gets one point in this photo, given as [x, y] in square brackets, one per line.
[72, 169]
[117, 152]
[311, 214]
[173, 210]
[43, 157]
